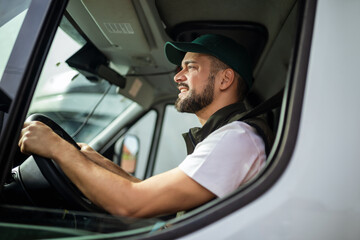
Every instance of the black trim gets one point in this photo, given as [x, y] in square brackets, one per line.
[160, 109]
[23, 70]
[149, 164]
[76, 26]
[282, 152]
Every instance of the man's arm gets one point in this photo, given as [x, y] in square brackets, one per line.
[105, 163]
[162, 194]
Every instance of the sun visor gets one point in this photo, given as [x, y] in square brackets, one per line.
[118, 21]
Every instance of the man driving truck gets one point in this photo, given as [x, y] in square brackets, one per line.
[224, 153]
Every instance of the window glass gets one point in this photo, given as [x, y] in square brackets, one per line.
[11, 18]
[172, 148]
[83, 108]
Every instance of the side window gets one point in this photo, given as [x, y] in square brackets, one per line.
[142, 131]
[172, 149]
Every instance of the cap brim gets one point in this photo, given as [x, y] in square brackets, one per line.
[175, 51]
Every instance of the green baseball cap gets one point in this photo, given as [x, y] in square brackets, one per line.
[223, 48]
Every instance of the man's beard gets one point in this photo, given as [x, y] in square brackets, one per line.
[195, 102]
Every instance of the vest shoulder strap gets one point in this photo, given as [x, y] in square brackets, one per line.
[263, 129]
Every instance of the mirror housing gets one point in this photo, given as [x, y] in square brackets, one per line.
[93, 64]
[129, 151]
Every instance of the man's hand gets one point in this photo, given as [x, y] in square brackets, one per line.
[38, 138]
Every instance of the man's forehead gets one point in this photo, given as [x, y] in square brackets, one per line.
[191, 57]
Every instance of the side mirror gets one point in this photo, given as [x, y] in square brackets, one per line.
[129, 153]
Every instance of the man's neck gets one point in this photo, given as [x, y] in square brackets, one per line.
[204, 114]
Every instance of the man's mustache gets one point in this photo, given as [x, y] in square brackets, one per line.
[182, 85]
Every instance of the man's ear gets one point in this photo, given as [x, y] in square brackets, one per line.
[228, 76]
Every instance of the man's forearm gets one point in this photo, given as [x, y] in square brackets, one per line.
[106, 163]
[165, 193]
[106, 188]
[109, 165]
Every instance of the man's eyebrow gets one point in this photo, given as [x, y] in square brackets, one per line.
[187, 62]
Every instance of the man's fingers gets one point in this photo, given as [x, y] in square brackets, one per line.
[26, 124]
[21, 144]
[24, 134]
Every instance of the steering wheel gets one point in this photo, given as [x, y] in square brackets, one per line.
[53, 173]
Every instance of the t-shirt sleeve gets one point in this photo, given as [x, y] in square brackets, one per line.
[227, 158]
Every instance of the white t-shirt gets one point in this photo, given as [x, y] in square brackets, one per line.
[227, 158]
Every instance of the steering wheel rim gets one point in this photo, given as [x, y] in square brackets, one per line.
[55, 176]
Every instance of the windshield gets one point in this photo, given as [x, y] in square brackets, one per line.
[82, 107]
[12, 14]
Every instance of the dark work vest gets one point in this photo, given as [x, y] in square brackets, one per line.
[225, 115]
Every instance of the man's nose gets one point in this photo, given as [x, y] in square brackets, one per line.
[179, 77]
